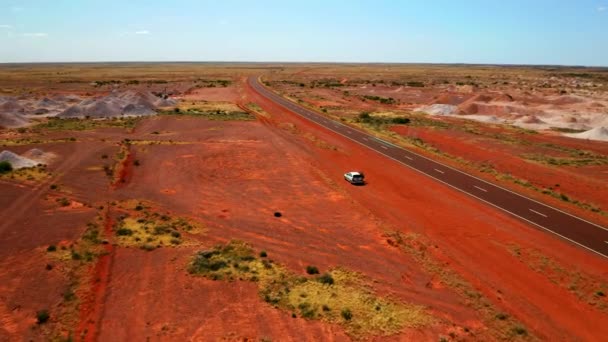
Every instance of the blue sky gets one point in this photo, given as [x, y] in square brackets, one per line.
[570, 32]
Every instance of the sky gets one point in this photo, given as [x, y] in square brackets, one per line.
[556, 32]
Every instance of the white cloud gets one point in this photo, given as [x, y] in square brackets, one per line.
[601, 9]
[6, 27]
[142, 32]
[36, 34]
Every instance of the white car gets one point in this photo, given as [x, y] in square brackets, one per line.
[355, 177]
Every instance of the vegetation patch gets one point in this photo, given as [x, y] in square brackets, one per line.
[29, 174]
[211, 114]
[205, 83]
[376, 120]
[33, 141]
[586, 288]
[141, 226]
[254, 107]
[159, 142]
[580, 159]
[75, 124]
[75, 260]
[501, 325]
[383, 100]
[338, 296]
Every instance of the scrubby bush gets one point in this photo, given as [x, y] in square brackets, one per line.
[364, 116]
[401, 121]
[42, 316]
[519, 330]
[312, 270]
[502, 316]
[5, 167]
[124, 232]
[64, 202]
[326, 279]
[415, 84]
[346, 314]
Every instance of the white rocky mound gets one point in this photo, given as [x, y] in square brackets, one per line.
[16, 161]
[12, 120]
[439, 109]
[597, 133]
[129, 103]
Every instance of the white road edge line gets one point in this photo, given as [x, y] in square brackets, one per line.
[482, 189]
[490, 203]
[439, 171]
[536, 212]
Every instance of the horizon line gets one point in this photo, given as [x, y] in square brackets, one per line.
[309, 62]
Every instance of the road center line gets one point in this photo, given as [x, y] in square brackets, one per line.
[410, 158]
[536, 212]
[482, 189]
[439, 171]
[384, 147]
[365, 139]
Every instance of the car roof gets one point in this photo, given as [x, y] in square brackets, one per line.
[354, 173]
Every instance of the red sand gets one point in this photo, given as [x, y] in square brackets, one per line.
[473, 237]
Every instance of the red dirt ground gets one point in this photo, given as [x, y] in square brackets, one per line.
[232, 176]
[474, 238]
[237, 198]
[229, 94]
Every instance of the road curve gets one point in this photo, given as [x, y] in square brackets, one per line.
[574, 229]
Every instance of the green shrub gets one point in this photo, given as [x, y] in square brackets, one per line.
[502, 316]
[64, 202]
[312, 270]
[326, 279]
[364, 116]
[5, 167]
[42, 316]
[401, 121]
[519, 330]
[263, 254]
[346, 314]
[76, 256]
[51, 248]
[415, 84]
[124, 232]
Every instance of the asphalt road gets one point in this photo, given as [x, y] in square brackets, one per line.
[574, 229]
